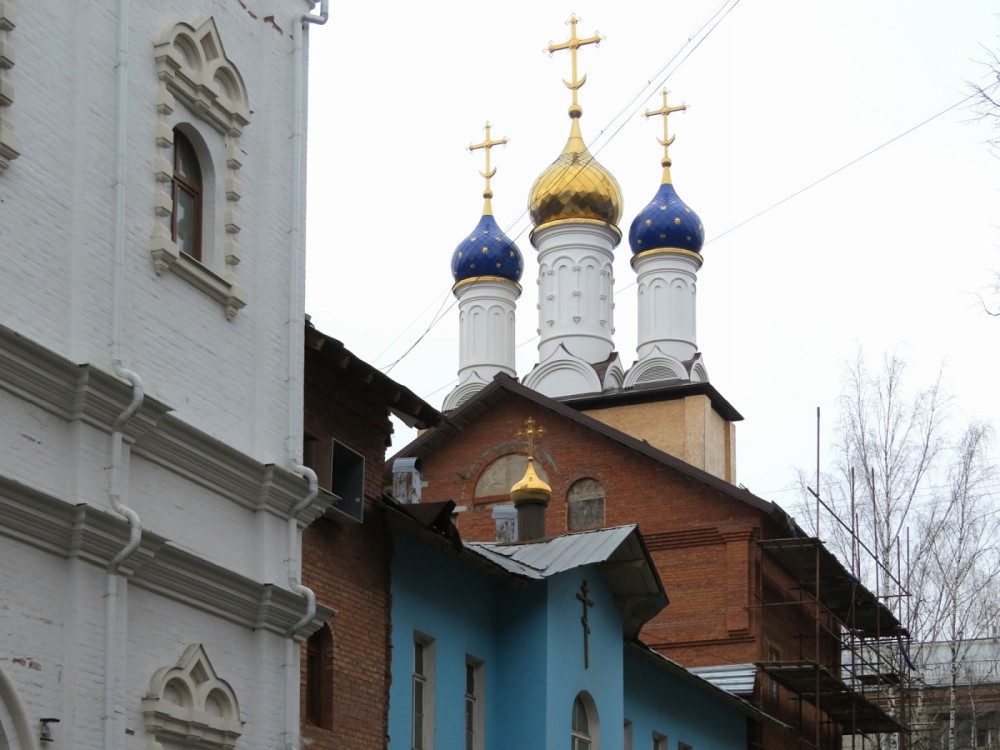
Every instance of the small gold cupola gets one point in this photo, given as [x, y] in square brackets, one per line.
[575, 187]
[531, 494]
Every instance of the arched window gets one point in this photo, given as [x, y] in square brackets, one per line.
[319, 678]
[585, 725]
[504, 473]
[585, 505]
[186, 187]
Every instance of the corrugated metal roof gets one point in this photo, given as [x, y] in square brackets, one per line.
[619, 553]
[737, 679]
[544, 558]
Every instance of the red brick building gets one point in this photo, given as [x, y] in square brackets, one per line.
[345, 676]
[741, 576]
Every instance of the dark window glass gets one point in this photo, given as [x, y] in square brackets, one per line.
[186, 188]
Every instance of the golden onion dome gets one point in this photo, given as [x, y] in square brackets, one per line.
[575, 186]
[532, 488]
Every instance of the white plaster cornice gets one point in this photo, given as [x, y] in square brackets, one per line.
[470, 386]
[656, 366]
[88, 394]
[75, 392]
[563, 374]
[211, 463]
[95, 537]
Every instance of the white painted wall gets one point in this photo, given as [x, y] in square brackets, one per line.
[205, 459]
[56, 287]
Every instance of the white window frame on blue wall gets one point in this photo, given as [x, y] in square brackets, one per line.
[586, 728]
[422, 723]
[475, 703]
[659, 741]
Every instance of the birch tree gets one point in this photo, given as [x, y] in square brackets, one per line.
[911, 511]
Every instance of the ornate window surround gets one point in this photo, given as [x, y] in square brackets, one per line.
[193, 69]
[190, 702]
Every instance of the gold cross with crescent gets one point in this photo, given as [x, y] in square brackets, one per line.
[573, 44]
[529, 433]
[666, 111]
[486, 145]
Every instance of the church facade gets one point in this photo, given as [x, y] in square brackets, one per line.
[152, 485]
[754, 601]
[535, 643]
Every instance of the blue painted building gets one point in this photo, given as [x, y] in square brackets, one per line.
[534, 645]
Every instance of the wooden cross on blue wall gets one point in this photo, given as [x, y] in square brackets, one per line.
[584, 597]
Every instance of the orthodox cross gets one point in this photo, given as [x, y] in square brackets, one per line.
[486, 145]
[666, 111]
[584, 597]
[573, 44]
[529, 433]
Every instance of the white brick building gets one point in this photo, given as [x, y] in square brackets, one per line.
[151, 313]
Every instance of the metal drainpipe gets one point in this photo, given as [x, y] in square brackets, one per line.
[295, 324]
[117, 436]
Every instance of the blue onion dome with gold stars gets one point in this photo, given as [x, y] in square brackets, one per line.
[487, 251]
[666, 224]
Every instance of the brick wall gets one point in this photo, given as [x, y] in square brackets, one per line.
[347, 565]
[702, 541]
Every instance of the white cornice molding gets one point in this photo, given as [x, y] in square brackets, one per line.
[553, 376]
[614, 375]
[207, 461]
[95, 536]
[71, 391]
[656, 366]
[90, 395]
[465, 390]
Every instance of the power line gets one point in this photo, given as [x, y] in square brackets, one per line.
[712, 22]
[715, 16]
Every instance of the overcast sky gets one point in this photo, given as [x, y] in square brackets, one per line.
[888, 254]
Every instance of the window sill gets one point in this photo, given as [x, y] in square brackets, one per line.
[167, 257]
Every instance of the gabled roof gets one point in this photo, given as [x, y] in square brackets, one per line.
[547, 557]
[401, 401]
[619, 553]
[504, 386]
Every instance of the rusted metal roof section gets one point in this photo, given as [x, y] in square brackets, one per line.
[619, 553]
[857, 608]
[737, 679]
[851, 709]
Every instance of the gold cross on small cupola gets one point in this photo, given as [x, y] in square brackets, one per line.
[486, 145]
[666, 111]
[573, 44]
[531, 432]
